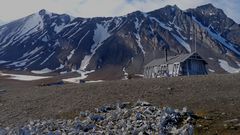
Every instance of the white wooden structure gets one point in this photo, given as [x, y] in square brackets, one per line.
[181, 65]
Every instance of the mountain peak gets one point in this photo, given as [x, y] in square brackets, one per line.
[171, 7]
[167, 9]
[210, 10]
[42, 12]
[209, 5]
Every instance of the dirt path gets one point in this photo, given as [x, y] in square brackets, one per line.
[217, 98]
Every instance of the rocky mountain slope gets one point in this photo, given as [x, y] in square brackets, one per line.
[47, 42]
[1, 22]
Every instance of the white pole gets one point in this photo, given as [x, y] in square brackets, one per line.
[195, 39]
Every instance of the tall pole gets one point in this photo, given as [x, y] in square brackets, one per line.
[195, 39]
[192, 32]
[166, 54]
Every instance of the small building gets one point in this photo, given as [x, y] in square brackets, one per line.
[181, 65]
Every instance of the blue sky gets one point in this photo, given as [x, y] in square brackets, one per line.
[14, 9]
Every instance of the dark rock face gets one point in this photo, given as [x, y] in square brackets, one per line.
[63, 43]
[215, 18]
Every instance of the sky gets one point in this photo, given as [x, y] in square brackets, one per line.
[14, 9]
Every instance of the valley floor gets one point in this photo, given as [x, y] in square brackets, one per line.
[215, 98]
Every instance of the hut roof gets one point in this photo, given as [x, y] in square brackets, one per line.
[172, 59]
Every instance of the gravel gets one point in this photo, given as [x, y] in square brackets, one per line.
[120, 118]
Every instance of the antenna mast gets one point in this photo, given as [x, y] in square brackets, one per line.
[195, 39]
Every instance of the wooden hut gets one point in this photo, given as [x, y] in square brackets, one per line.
[181, 65]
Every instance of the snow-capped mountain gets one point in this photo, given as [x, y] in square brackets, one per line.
[114, 46]
[1, 22]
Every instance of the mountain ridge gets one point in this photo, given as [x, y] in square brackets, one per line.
[60, 43]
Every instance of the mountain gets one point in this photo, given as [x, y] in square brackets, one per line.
[1, 22]
[113, 46]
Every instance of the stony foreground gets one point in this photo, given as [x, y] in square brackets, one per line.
[121, 118]
[214, 98]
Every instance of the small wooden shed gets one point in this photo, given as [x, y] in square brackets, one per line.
[181, 65]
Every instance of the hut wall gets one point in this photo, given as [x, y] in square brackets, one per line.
[164, 70]
[194, 67]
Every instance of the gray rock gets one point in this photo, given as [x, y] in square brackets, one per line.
[141, 118]
[3, 131]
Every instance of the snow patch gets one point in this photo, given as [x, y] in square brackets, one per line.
[73, 29]
[238, 63]
[71, 54]
[85, 62]
[24, 39]
[145, 14]
[139, 75]
[211, 70]
[224, 64]
[118, 23]
[59, 28]
[125, 74]
[73, 51]
[43, 71]
[45, 39]
[179, 32]
[182, 42]
[60, 67]
[71, 18]
[47, 58]
[18, 63]
[94, 81]
[100, 35]
[24, 77]
[71, 24]
[3, 61]
[23, 62]
[211, 58]
[33, 61]
[137, 35]
[79, 29]
[163, 25]
[63, 72]
[84, 75]
[34, 51]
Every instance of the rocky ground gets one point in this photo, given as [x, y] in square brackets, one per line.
[121, 118]
[214, 100]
